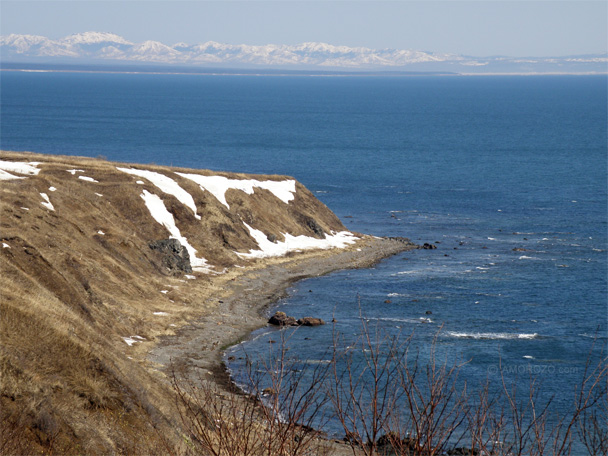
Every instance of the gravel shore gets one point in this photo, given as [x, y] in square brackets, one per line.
[241, 302]
[240, 305]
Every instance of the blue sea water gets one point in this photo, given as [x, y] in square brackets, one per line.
[480, 166]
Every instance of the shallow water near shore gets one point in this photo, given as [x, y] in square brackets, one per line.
[506, 175]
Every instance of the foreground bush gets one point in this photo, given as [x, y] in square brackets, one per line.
[389, 401]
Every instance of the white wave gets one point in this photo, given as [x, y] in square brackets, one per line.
[403, 320]
[524, 257]
[594, 336]
[477, 335]
[529, 357]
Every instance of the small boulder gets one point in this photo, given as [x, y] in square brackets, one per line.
[310, 321]
[462, 451]
[282, 319]
[268, 392]
[427, 246]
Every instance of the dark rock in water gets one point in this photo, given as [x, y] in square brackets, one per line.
[387, 301]
[427, 246]
[174, 256]
[272, 238]
[310, 321]
[519, 249]
[388, 443]
[404, 240]
[462, 451]
[269, 392]
[428, 312]
[281, 319]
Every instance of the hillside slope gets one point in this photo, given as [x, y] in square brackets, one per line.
[83, 294]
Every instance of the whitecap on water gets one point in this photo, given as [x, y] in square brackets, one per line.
[477, 335]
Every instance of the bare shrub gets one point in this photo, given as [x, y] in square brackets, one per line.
[275, 417]
[363, 385]
[389, 401]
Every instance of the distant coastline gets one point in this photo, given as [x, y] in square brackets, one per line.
[208, 71]
[130, 68]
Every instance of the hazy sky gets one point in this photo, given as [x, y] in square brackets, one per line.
[482, 28]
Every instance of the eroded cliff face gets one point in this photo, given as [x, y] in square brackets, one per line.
[81, 284]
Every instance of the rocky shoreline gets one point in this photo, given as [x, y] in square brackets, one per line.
[241, 306]
[195, 351]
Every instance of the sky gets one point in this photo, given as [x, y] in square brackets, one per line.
[479, 28]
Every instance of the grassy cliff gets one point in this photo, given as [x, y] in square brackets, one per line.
[83, 295]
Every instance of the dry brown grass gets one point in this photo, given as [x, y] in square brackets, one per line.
[69, 295]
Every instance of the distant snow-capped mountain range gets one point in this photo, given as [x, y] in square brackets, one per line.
[96, 46]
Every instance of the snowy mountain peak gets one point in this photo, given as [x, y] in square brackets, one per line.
[103, 46]
[94, 38]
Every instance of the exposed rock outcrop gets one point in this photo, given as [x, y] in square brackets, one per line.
[173, 255]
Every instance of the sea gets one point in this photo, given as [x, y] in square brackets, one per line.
[505, 175]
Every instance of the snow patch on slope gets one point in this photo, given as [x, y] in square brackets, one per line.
[166, 185]
[88, 179]
[47, 203]
[7, 168]
[295, 243]
[159, 212]
[219, 185]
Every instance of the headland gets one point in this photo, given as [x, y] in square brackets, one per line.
[100, 303]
